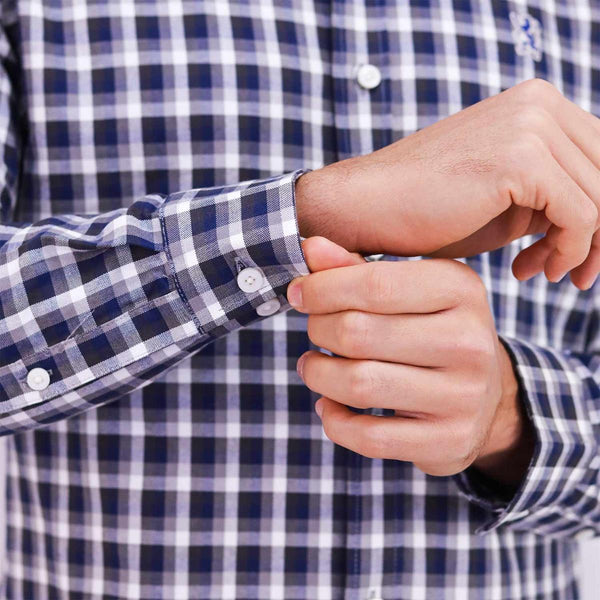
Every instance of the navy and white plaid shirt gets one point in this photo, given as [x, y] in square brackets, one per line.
[174, 453]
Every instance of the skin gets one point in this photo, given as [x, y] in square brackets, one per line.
[417, 338]
[522, 162]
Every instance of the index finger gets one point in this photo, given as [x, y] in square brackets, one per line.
[422, 286]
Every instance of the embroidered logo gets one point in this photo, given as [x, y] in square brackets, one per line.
[527, 35]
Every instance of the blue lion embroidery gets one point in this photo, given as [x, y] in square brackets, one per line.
[527, 35]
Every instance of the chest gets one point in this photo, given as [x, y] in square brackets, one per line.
[167, 95]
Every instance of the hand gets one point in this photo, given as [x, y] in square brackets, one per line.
[523, 162]
[417, 338]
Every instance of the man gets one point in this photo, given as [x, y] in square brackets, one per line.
[160, 442]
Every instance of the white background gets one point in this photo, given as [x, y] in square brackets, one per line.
[590, 551]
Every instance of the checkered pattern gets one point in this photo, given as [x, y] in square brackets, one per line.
[104, 304]
[201, 470]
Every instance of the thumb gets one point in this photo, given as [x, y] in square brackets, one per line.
[321, 254]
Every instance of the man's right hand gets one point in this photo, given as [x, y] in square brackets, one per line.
[525, 161]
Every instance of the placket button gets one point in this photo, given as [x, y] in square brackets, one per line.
[368, 76]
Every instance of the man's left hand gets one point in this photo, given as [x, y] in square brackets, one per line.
[416, 337]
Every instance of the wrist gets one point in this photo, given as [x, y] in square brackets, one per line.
[307, 200]
[510, 444]
[324, 205]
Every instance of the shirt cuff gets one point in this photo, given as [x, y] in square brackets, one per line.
[551, 499]
[233, 249]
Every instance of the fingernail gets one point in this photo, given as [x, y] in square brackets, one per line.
[300, 365]
[319, 408]
[294, 294]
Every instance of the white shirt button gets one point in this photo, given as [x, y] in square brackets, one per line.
[270, 307]
[250, 279]
[38, 379]
[368, 76]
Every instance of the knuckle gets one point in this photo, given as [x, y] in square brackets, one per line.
[476, 349]
[361, 382]
[451, 448]
[530, 118]
[353, 331]
[468, 285]
[458, 279]
[519, 154]
[473, 282]
[460, 441]
[536, 90]
[373, 445]
[523, 149]
[473, 393]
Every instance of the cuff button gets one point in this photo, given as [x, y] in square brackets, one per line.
[270, 307]
[38, 379]
[250, 280]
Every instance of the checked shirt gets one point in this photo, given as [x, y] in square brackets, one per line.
[148, 152]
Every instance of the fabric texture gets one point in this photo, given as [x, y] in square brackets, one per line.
[148, 154]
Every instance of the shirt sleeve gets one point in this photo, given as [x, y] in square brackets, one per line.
[560, 494]
[94, 307]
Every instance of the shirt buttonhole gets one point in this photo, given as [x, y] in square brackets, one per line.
[240, 265]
